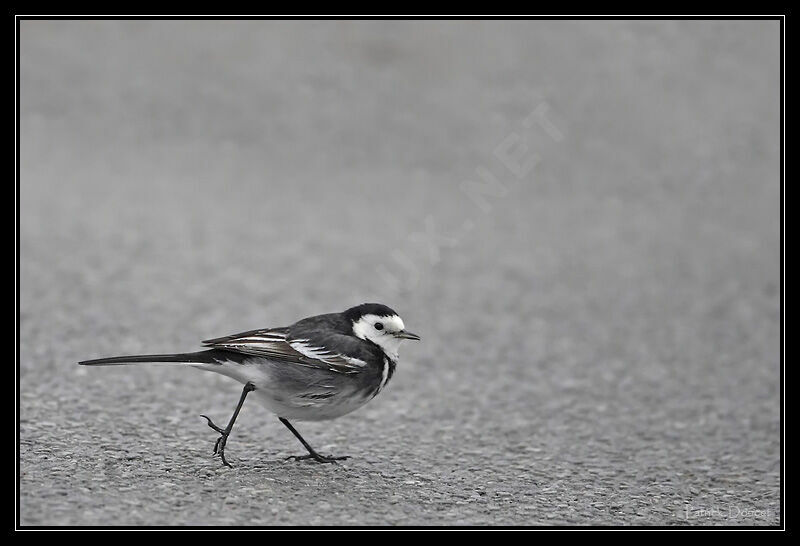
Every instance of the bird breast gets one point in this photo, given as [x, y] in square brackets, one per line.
[309, 394]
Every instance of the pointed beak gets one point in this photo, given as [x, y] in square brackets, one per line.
[405, 334]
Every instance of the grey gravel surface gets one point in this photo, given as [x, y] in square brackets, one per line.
[600, 334]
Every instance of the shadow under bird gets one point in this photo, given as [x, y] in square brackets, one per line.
[319, 368]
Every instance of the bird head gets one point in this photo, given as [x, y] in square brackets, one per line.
[380, 325]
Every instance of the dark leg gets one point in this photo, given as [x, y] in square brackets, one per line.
[219, 447]
[311, 453]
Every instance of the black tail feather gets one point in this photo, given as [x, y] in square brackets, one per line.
[201, 357]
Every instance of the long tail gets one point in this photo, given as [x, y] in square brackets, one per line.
[201, 357]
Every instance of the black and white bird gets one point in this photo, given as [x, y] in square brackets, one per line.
[319, 368]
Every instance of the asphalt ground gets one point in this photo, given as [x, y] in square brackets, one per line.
[600, 322]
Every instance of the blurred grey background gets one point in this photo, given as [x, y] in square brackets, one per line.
[600, 341]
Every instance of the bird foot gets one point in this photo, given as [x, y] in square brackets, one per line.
[317, 457]
[212, 425]
[219, 446]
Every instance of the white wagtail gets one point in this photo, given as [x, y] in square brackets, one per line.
[318, 368]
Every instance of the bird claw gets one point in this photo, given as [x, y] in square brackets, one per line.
[219, 445]
[317, 457]
[212, 425]
[219, 450]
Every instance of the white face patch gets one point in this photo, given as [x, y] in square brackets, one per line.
[384, 336]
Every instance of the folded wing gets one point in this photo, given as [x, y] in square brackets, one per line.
[278, 344]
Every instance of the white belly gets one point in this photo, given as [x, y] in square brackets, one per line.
[294, 406]
[310, 410]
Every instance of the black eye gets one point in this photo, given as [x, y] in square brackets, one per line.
[379, 326]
